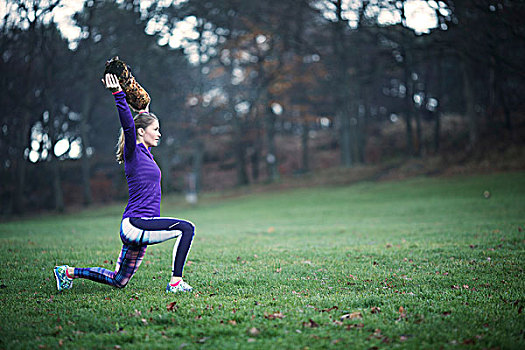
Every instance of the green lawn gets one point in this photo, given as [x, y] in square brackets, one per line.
[421, 263]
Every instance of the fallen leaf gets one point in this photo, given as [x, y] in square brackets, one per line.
[310, 324]
[352, 315]
[355, 325]
[402, 314]
[377, 334]
[171, 306]
[330, 309]
[232, 322]
[274, 315]
[375, 309]
[254, 331]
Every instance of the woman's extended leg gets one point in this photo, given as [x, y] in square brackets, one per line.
[128, 262]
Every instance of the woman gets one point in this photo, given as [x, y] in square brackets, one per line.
[141, 222]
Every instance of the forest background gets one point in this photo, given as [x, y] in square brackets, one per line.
[256, 92]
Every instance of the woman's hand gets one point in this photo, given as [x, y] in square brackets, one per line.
[111, 83]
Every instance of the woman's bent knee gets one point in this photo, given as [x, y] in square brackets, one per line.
[121, 284]
[186, 227]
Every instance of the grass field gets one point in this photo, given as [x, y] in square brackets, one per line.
[421, 263]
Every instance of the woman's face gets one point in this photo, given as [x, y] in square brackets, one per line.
[151, 135]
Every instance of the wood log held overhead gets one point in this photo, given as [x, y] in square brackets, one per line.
[136, 96]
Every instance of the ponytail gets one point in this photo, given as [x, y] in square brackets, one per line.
[141, 120]
[120, 147]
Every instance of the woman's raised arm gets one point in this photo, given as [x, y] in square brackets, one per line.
[124, 113]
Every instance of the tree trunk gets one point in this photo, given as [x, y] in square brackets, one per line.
[85, 161]
[54, 163]
[437, 130]
[408, 104]
[419, 133]
[271, 157]
[255, 157]
[342, 90]
[492, 87]
[239, 149]
[361, 134]
[58, 194]
[470, 100]
[345, 137]
[21, 165]
[198, 155]
[437, 114]
[506, 110]
[354, 134]
[304, 147]
[240, 155]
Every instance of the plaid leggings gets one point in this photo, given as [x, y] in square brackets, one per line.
[136, 234]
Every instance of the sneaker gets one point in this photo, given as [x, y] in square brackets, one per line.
[63, 282]
[181, 287]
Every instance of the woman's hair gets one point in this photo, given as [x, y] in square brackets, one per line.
[142, 120]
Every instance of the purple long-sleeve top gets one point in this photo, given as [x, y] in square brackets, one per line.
[142, 173]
